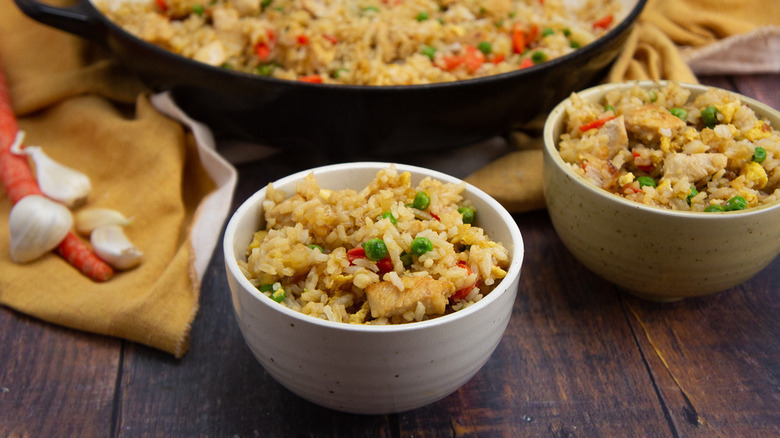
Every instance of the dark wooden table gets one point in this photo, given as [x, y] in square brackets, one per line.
[579, 358]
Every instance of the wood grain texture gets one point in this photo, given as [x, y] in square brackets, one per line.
[55, 382]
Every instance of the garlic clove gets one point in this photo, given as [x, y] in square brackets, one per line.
[91, 218]
[113, 247]
[57, 181]
[36, 226]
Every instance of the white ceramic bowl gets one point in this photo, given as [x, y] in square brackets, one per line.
[370, 369]
[657, 254]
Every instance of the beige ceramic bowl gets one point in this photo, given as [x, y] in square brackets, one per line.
[370, 369]
[656, 254]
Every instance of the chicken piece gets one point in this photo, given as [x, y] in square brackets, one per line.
[600, 172]
[649, 122]
[212, 53]
[385, 299]
[617, 137]
[694, 166]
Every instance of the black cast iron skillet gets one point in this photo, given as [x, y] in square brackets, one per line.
[342, 120]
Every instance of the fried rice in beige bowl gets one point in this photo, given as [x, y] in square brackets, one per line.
[668, 190]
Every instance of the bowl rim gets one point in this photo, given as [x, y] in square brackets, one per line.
[517, 251]
[627, 19]
[558, 113]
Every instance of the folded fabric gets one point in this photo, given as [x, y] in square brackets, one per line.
[674, 40]
[87, 113]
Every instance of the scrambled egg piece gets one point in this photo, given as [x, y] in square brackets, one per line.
[627, 178]
[755, 175]
[758, 131]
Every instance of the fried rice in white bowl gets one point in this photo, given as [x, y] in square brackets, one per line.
[372, 288]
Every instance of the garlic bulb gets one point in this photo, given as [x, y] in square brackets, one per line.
[36, 226]
[91, 218]
[57, 181]
[113, 247]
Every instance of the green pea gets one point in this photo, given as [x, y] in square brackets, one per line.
[388, 215]
[653, 95]
[485, 47]
[375, 249]
[467, 213]
[714, 208]
[691, 193]
[339, 71]
[265, 69]
[421, 201]
[735, 203]
[574, 44]
[429, 51]
[317, 247]
[709, 116]
[264, 4]
[547, 32]
[266, 287]
[421, 245]
[609, 108]
[422, 16]
[759, 154]
[370, 9]
[197, 9]
[406, 258]
[680, 113]
[538, 57]
[278, 295]
[567, 32]
[646, 181]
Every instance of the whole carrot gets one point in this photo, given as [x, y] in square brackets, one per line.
[19, 181]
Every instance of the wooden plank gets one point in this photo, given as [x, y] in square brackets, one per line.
[568, 364]
[765, 88]
[715, 359]
[55, 382]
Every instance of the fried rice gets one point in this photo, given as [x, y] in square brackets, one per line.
[313, 257]
[664, 148]
[367, 42]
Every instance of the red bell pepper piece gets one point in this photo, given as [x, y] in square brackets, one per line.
[385, 265]
[598, 123]
[356, 253]
[603, 22]
[313, 79]
[330, 38]
[473, 58]
[461, 294]
[647, 167]
[498, 58]
[518, 38]
[262, 51]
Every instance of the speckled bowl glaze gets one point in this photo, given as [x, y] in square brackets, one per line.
[656, 254]
[370, 369]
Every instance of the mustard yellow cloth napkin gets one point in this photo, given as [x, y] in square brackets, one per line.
[85, 112]
[674, 40]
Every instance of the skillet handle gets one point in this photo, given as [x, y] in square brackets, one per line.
[80, 19]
